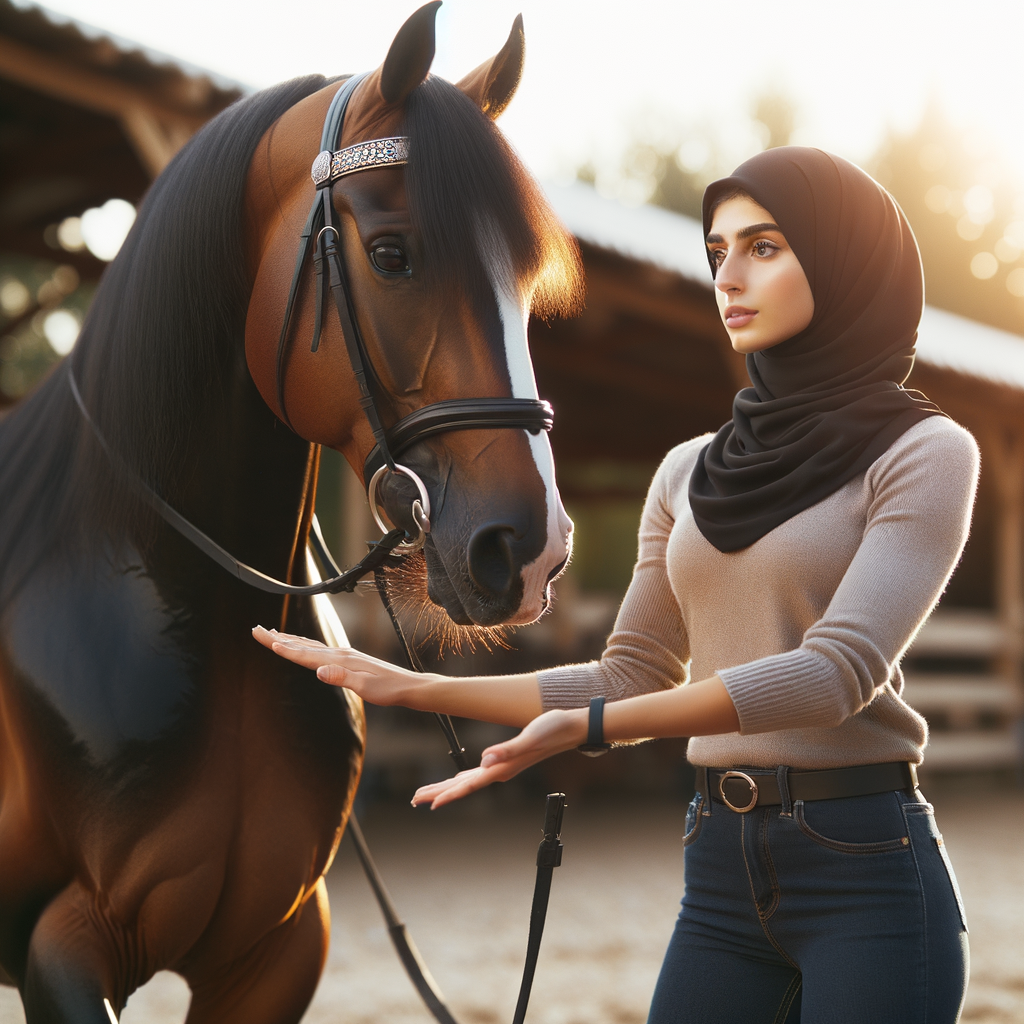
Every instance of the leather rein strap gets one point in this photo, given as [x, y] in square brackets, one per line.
[380, 553]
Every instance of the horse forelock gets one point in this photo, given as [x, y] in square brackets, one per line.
[474, 205]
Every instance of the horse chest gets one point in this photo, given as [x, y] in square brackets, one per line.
[170, 749]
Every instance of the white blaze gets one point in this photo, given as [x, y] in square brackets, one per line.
[514, 319]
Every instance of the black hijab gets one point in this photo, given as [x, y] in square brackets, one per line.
[827, 402]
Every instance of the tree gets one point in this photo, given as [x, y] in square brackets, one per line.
[961, 197]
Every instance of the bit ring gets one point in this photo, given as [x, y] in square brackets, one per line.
[420, 508]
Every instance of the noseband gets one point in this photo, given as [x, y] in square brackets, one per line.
[321, 236]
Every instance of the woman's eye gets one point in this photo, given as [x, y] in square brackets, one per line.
[717, 256]
[764, 248]
[390, 259]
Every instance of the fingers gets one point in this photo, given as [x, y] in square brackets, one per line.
[268, 637]
[300, 649]
[440, 793]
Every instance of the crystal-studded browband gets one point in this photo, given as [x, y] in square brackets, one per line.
[360, 157]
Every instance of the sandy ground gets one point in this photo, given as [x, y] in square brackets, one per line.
[463, 879]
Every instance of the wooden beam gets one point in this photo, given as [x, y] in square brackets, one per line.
[1003, 449]
[678, 311]
[154, 129]
[634, 382]
[152, 143]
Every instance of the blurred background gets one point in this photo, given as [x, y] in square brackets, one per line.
[625, 115]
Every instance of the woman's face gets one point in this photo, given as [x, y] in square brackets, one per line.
[762, 291]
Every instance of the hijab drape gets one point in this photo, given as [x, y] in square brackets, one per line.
[827, 402]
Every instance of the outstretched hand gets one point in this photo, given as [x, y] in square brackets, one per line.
[372, 679]
[508, 699]
[546, 735]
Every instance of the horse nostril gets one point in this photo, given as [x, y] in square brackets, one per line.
[491, 561]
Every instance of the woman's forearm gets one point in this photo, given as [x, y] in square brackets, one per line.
[504, 700]
[697, 709]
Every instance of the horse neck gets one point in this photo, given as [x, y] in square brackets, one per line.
[248, 481]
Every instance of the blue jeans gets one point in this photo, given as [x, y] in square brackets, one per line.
[827, 912]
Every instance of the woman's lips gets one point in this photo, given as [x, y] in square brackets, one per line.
[739, 316]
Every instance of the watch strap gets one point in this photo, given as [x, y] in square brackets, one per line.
[595, 745]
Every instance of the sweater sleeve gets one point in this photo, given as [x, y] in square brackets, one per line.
[916, 528]
[648, 649]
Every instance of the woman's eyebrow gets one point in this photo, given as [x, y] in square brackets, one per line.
[754, 229]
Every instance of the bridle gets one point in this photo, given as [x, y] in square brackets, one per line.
[321, 237]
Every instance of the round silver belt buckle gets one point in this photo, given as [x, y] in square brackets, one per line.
[753, 791]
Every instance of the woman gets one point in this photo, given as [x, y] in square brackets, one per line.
[785, 564]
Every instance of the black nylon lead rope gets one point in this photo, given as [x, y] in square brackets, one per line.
[549, 856]
[456, 751]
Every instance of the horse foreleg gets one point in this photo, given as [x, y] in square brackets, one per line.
[73, 972]
[275, 981]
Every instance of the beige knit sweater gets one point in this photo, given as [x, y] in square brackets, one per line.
[805, 627]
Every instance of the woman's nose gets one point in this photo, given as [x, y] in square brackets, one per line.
[727, 279]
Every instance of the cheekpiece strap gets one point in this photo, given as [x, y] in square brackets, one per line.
[328, 167]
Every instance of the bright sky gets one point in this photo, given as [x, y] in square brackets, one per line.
[595, 67]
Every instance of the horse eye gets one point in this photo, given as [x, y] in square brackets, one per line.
[390, 259]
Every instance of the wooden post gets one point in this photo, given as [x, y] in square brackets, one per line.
[1006, 454]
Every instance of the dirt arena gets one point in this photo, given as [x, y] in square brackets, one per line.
[462, 879]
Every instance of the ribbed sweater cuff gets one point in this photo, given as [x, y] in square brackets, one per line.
[570, 686]
[784, 691]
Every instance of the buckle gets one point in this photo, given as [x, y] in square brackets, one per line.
[753, 791]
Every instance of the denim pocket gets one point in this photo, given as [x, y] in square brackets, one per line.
[844, 845]
[693, 820]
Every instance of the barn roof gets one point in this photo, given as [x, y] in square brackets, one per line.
[674, 243]
[179, 83]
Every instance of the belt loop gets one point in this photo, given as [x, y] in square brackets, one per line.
[782, 780]
[704, 788]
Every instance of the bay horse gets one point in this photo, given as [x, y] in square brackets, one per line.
[171, 794]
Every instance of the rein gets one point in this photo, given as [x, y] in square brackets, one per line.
[321, 237]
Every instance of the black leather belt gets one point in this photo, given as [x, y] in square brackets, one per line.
[744, 789]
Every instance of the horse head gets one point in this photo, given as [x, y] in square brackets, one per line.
[445, 257]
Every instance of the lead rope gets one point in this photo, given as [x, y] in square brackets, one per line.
[549, 855]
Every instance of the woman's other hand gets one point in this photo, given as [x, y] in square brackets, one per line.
[372, 679]
[549, 734]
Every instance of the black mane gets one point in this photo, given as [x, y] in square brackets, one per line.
[166, 323]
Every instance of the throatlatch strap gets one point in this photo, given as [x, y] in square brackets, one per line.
[309, 236]
[362, 368]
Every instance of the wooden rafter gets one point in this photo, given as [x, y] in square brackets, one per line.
[155, 130]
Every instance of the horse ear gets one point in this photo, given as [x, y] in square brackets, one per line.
[410, 56]
[492, 85]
